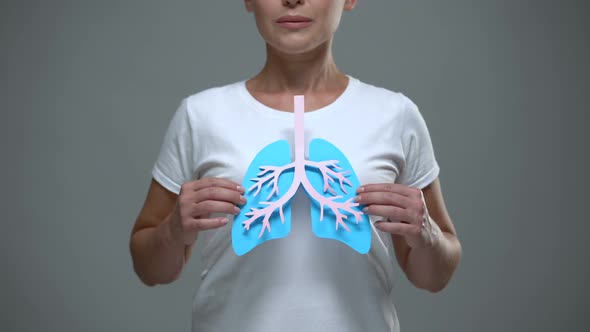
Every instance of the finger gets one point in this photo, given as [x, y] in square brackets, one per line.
[218, 194]
[204, 224]
[391, 187]
[388, 211]
[383, 198]
[212, 182]
[398, 228]
[207, 207]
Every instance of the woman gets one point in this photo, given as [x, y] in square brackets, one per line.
[301, 282]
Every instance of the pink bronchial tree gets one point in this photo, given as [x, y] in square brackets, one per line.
[329, 170]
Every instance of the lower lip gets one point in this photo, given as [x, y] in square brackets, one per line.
[295, 25]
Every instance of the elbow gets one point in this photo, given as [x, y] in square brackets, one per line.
[443, 282]
[151, 281]
[137, 268]
[432, 286]
[147, 282]
[144, 279]
[151, 277]
[440, 279]
[143, 271]
[437, 287]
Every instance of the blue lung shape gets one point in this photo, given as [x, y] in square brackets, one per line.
[274, 154]
[359, 236]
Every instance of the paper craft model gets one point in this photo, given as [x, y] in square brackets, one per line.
[272, 180]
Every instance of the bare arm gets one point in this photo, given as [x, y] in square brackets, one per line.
[431, 268]
[428, 252]
[157, 257]
[168, 225]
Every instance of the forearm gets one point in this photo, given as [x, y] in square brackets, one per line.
[431, 268]
[157, 257]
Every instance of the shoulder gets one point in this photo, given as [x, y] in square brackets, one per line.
[196, 107]
[389, 98]
[211, 97]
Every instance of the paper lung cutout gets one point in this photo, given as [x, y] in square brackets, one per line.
[272, 180]
[277, 153]
[356, 235]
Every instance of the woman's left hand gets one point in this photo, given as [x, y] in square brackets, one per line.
[404, 211]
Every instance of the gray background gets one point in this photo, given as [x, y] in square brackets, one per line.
[87, 89]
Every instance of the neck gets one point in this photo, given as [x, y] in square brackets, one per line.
[299, 74]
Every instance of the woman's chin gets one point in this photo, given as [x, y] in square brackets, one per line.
[292, 47]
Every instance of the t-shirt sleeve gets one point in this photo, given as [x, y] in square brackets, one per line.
[174, 164]
[420, 167]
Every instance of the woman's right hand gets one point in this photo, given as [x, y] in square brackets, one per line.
[199, 199]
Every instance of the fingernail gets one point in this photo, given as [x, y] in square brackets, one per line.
[360, 189]
[242, 200]
[365, 209]
[240, 188]
[223, 221]
[236, 210]
[357, 198]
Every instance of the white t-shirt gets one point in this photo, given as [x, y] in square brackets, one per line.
[300, 282]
